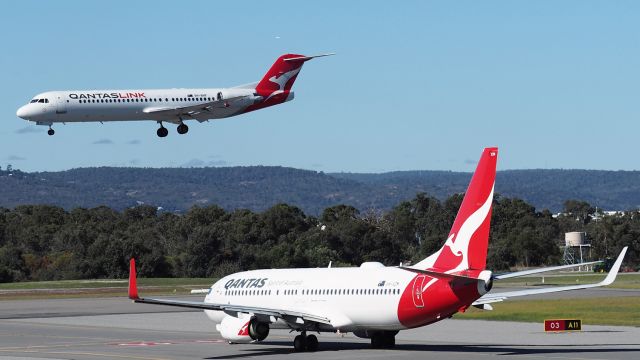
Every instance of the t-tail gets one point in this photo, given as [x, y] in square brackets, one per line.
[282, 74]
[466, 245]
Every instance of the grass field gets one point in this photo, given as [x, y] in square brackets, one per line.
[94, 284]
[592, 311]
[99, 288]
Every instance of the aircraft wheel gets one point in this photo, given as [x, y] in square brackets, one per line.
[183, 129]
[312, 343]
[51, 132]
[389, 341]
[383, 340]
[377, 341]
[300, 343]
[162, 132]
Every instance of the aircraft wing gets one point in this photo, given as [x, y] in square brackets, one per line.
[194, 110]
[497, 297]
[541, 270]
[287, 315]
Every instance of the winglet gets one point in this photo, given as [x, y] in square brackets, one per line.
[615, 268]
[133, 285]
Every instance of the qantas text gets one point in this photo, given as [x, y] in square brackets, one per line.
[108, 96]
[245, 283]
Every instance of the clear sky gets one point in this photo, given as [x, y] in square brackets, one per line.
[415, 85]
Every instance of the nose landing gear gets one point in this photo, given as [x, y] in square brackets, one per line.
[51, 131]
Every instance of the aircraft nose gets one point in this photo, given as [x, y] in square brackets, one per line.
[22, 112]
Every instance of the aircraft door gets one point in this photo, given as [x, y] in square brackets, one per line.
[418, 284]
[61, 104]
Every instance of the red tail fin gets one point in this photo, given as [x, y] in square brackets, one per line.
[281, 76]
[283, 73]
[133, 284]
[466, 245]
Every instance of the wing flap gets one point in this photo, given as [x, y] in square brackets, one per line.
[195, 109]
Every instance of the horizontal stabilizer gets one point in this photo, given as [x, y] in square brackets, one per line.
[439, 275]
[307, 58]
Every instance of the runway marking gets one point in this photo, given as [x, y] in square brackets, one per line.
[144, 343]
[96, 355]
[168, 342]
[74, 326]
[14, 348]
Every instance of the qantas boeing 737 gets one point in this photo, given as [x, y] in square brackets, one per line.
[372, 301]
[166, 105]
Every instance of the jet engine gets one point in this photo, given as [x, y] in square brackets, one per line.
[485, 282]
[235, 329]
[242, 329]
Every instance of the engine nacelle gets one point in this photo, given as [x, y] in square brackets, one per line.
[235, 329]
[486, 282]
[242, 329]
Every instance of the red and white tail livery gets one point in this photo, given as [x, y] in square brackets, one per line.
[372, 301]
[166, 105]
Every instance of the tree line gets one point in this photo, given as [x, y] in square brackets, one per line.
[44, 242]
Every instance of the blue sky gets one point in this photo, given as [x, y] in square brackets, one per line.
[415, 84]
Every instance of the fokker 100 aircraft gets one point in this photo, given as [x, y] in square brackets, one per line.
[166, 105]
[372, 301]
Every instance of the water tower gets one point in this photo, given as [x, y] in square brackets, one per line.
[574, 248]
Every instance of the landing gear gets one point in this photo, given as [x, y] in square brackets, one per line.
[303, 342]
[300, 343]
[383, 340]
[183, 128]
[312, 343]
[162, 131]
[51, 131]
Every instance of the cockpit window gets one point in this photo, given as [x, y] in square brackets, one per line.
[41, 101]
[33, 101]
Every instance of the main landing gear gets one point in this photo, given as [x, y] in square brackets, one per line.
[183, 128]
[383, 340]
[303, 342]
[163, 132]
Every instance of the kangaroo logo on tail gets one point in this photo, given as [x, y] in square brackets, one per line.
[466, 245]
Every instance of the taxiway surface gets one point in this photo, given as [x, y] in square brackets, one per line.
[114, 328]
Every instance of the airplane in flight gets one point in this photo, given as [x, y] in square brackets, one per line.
[371, 301]
[166, 105]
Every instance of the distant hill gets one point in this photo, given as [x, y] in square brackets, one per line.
[260, 187]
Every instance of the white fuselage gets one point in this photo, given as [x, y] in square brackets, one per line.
[125, 105]
[366, 297]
